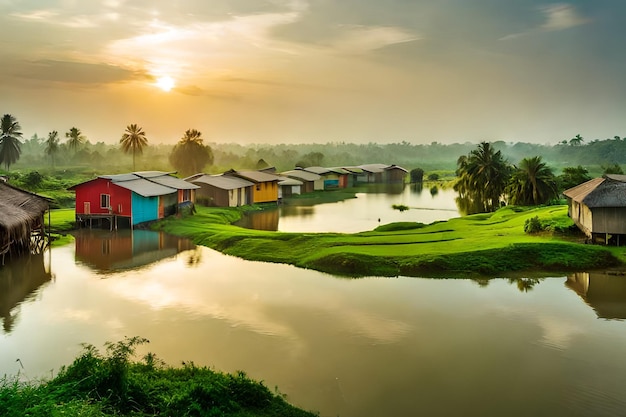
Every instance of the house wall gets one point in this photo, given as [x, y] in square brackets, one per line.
[331, 180]
[343, 180]
[237, 197]
[264, 192]
[394, 175]
[582, 216]
[169, 203]
[186, 195]
[145, 209]
[609, 220]
[90, 192]
[318, 184]
[288, 190]
[217, 197]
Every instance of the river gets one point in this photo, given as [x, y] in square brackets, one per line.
[344, 347]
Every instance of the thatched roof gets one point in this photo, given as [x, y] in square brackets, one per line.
[19, 209]
[608, 191]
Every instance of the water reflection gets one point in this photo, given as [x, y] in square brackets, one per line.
[362, 348]
[372, 207]
[20, 280]
[106, 251]
[605, 293]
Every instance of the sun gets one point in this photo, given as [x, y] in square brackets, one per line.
[165, 83]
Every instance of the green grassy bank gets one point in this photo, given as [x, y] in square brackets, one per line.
[484, 244]
[112, 384]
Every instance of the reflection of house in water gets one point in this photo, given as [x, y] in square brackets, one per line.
[260, 220]
[106, 251]
[19, 281]
[603, 292]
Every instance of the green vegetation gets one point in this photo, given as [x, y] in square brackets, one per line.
[487, 243]
[114, 385]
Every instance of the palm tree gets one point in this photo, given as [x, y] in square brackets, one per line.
[10, 145]
[134, 140]
[483, 176]
[533, 183]
[576, 140]
[190, 155]
[75, 138]
[52, 145]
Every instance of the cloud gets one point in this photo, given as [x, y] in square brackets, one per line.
[74, 72]
[561, 17]
[556, 17]
[360, 39]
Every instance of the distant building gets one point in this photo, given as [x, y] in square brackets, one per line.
[265, 187]
[288, 187]
[310, 181]
[382, 173]
[222, 190]
[126, 200]
[598, 208]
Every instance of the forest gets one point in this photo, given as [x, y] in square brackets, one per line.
[49, 164]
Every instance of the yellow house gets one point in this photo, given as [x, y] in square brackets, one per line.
[265, 188]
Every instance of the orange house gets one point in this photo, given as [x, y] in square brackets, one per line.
[265, 188]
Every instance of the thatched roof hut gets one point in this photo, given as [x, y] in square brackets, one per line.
[21, 215]
[598, 207]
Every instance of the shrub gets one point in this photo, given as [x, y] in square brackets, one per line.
[533, 225]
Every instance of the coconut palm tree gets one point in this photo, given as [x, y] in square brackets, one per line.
[134, 140]
[576, 140]
[482, 178]
[52, 145]
[75, 138]
[190, 155]
[533, 183]
[10, 145]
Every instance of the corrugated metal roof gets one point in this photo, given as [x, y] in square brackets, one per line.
[150, 183]
[120, 177]
[354, 170]
[145, 187]
[302, 175]
[225, 182]
[290, 181]
[173, 182]
[374, 168]
[255, 176]
[317, 170]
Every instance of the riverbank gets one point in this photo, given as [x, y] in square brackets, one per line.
[113, 384]
[484, 244]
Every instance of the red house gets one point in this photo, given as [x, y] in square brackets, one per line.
[126, 200]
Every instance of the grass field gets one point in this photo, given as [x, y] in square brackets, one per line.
[482, 244]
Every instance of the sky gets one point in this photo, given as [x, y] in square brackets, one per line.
[316, 71]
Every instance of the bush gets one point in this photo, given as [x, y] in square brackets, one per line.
[533, 225]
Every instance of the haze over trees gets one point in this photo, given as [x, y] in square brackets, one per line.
[75, 138]
[191, 155]
[52, 145]
[10, 135]
[133, 141]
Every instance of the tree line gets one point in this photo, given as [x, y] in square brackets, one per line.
[190, 155]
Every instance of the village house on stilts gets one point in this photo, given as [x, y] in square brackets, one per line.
[21, 222]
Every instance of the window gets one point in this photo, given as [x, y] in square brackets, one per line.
[105, 201]
[258, 187]
[186, 195]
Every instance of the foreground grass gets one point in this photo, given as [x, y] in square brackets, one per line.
[114, 385]
[485, 244]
